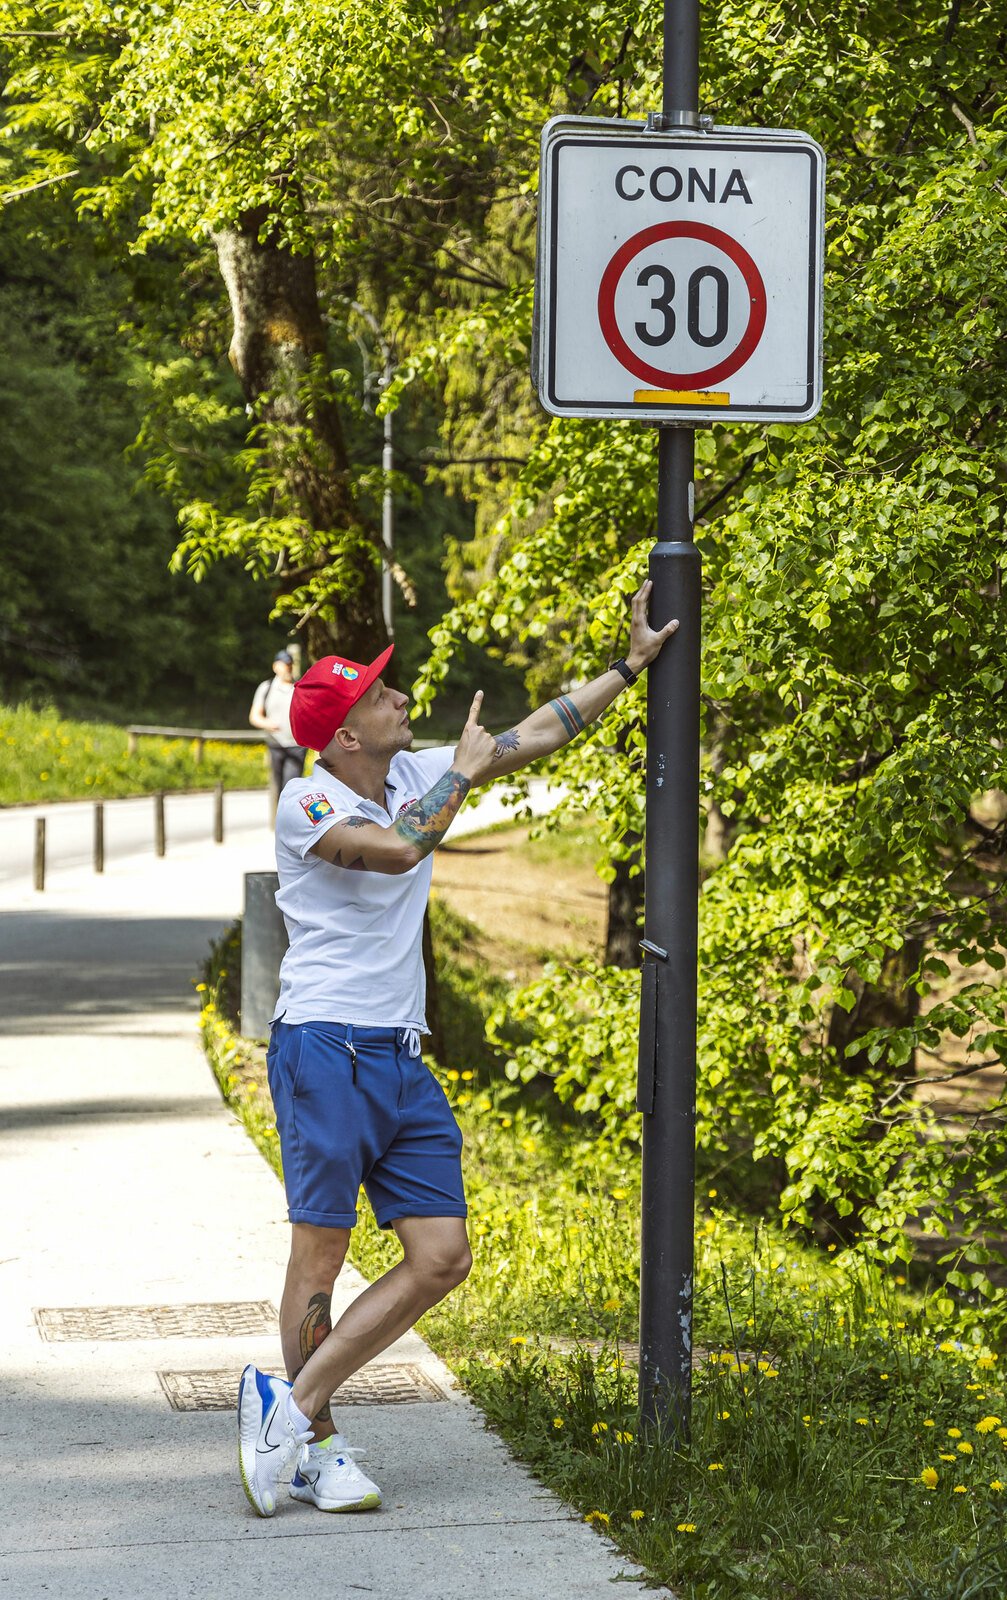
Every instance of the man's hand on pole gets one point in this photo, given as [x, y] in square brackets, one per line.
[644, 641]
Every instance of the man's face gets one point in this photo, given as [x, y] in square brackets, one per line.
[379, 720]
[284, 671]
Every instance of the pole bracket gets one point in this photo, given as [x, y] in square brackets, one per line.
[650, 949]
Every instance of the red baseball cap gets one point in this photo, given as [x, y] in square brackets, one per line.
[323, 698]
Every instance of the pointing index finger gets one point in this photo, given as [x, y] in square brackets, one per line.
[476, 703]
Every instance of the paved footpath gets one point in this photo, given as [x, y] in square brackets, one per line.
[125, 1182]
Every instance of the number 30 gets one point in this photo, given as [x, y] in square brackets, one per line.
[662, 302]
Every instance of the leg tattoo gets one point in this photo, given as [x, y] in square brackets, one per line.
[315, 1329]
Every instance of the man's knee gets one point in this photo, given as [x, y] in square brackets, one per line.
[444, 1268]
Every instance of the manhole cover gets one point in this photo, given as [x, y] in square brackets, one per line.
[393, 1384]
[222, 1319]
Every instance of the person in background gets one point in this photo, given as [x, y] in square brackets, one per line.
[271, 712]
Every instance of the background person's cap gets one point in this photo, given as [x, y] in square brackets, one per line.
[324, 697]
[284, 655]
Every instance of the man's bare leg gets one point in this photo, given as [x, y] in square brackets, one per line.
[436, 1258]
[316, 1256]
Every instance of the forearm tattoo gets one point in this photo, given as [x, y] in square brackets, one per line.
[428, 819]
[315, 1329]
[569, 716]
[505, 742]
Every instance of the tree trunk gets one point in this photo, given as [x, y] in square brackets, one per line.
[625, 910]
[279, 333]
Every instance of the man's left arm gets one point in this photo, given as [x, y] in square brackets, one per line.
[554, 725]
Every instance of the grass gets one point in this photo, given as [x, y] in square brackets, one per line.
[843, 1446]
[46, 757]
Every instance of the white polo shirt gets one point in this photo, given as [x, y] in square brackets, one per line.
[356, 938]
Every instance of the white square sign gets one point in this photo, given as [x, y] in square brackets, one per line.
[679, 274]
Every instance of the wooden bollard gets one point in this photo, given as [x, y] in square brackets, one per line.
[99, 837]
[159, 838]
[218, 814]
[40, 853]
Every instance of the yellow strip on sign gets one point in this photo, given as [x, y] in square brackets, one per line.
[682, 397]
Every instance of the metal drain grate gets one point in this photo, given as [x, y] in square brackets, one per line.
[393, 1384]
[220, 1319]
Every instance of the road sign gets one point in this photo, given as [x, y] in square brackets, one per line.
[679, 274]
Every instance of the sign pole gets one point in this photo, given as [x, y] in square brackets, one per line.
[667, 1093]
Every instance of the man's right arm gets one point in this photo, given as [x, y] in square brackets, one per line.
[361, 846]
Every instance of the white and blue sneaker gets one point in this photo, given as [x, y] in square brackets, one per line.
[328, 1477]
[270, 1429]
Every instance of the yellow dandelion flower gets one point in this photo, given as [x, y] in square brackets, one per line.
[985, 1362]
[973, 1386]
[960, 1489]
[505, 1122]
[612, 1304]
[946, 1347]
[519, 1338]
[624, 1438]
[928, 1422]
[987, 1424]
[884, 1377]
[723, 1415]
[636, 1516]
[832, 1247]
[712, 1194]
[900, 1280]
[947, 1457]
[467, 1077]
[558, 1422]
[619, 1194]
[996, 1486]
[965, 1448]
[863, 1422]
[685, 1527]
[929, 1477]
[463, 1099]
[715, 1466]
[453, 1075]
[599, 1427]
[1002, 1433]
[954, 1433]
[598, 1516]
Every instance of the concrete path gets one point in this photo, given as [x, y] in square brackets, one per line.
[124, 1182]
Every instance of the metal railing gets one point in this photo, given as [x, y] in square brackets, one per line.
[195, 736]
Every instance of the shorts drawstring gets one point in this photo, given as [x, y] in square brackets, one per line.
[409, 1039]
[348, 1041]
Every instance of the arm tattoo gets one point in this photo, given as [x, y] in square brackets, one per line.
[315, 1329]
[429, 818]
[506, 741]
[569, 716]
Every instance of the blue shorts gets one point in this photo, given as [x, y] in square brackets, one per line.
[354, 1106]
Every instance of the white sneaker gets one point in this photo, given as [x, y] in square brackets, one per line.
[270, 1429]
[328, 1477]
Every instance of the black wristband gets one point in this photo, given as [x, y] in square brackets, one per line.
[624, 671]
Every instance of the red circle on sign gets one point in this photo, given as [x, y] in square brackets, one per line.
[682, 230]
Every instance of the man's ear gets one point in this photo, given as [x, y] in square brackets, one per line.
[345, 738]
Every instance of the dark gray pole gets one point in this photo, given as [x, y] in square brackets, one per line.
[218, 814]
[159, 834]
[99, 837]
[667, 1089]
[39, 853]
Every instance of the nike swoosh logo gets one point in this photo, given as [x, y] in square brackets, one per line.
[269, 1442]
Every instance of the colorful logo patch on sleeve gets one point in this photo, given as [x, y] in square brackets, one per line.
[316, 808]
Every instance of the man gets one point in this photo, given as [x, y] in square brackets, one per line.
[354, 1102]
[271, 711]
